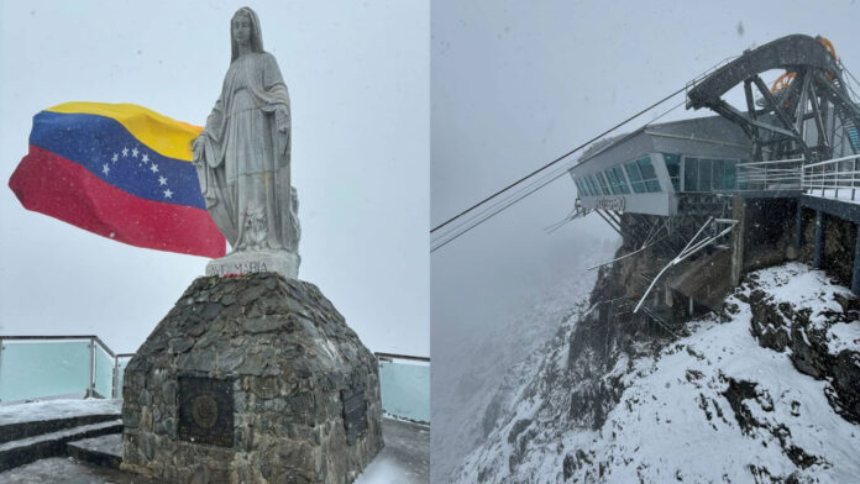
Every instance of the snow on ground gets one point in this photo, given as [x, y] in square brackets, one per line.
[385, 470]
[844, 336]
[686, 412]
[57, 409]
[843, 194]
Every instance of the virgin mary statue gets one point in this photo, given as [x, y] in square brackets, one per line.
[243, 156]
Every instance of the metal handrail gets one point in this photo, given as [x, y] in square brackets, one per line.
[820, 176]
[831, 161]
[56, 337]
[772, 175]
[770, 162]
[389, 356]
[832, 175]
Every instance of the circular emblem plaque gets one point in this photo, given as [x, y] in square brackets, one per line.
[204, 410]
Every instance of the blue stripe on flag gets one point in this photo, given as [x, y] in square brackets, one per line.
[97, 143]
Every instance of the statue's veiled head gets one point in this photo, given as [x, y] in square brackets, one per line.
[245, 27]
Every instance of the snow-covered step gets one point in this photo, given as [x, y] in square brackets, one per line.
[104, 451]
[23, 420]
[24, 451]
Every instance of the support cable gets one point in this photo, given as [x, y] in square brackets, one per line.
[503, 205]
[558, 159]
[500, 206]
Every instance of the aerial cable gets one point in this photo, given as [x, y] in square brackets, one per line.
[556, 160]
[558, 175]
[535, 186]
[560, 158]
[492, 210]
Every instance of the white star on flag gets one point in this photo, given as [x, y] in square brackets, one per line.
[134, 153]
[145, 158]
[168, 193]
[162, 180]
[114, 157]
[105, 169]
[124, 151]
[154, 168]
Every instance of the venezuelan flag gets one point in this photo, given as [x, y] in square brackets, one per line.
[121, 171]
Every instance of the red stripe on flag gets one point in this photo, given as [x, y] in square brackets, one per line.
[50, 184]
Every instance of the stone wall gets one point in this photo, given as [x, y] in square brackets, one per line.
[839, 239]
[252, 379]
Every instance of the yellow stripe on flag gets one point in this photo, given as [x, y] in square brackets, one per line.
[164, 135]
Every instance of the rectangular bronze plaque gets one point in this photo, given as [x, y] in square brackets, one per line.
[206, 410]
[354, 413]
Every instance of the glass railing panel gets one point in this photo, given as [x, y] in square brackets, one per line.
[40, 369]
[405, 387]
[103, 373]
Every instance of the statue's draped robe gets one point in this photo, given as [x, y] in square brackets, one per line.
[243, 160]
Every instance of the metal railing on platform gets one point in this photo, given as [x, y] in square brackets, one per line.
[49, 367]
[770, 175]
[838, 178]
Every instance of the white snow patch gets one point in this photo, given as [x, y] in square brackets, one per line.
[57, 409]
[843, 336]
[385, 469]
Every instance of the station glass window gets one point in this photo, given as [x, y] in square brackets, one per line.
[635, 177]
[604, 186]
[579, 190]
[691, 174]
[613, 183]
[617, 183]
[673, 166]
[730, 177]
[649, 176]
[705, 174]
[595, 191]
[719, 180]
[622, 181]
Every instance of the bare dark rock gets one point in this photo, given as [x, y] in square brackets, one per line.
[737, 393]
[519, 426]
[845, 398]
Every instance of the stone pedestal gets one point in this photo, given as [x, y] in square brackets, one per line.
[251, 379]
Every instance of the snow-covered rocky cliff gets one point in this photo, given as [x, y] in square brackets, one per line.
[768, 391]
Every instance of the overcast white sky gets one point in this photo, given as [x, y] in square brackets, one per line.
[358, 74]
